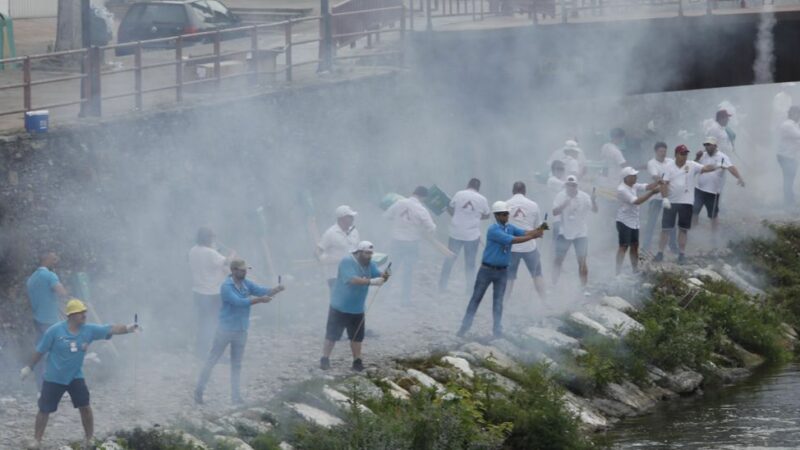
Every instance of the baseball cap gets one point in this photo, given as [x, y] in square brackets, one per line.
[572, 180]
[627, 171]
[724, 112]
[681, 149]
[364, 246]
[345, 210]
[571, 145]
[710, 140]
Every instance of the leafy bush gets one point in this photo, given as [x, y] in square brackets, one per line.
[140, 439]
[265, 441]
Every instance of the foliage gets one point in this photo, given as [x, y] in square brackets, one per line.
[538, 415]
[152, 439]
[265, 441]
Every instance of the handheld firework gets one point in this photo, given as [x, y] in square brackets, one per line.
[544, 225]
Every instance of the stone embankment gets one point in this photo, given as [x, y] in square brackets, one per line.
[559, 347]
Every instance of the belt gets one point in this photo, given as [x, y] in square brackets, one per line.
[491, 267]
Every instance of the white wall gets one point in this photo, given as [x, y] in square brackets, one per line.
[22, 9]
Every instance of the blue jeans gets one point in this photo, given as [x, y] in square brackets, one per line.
[470, 252]
[789, 169]
[485, 277]
[38, 370]
[237, 340]
[654, 208]
[207, 308]
[406, 254]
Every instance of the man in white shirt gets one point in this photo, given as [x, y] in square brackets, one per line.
[572, 206]
[709, 185]
[411, 221]
[720, 131]
[678, 186]
[467, 209]
[524, 213]
[555, 184]
[209, 269]
[656, 168]
[572, 157]
[337, 242]
[789, 152]
[611, 152]
[628, 194]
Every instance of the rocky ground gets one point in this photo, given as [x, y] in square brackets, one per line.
[151, 382]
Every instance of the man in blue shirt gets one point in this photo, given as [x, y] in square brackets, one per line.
[66, 343]
[238, 294]
[496, 258]
[44, 291]
[355, 275]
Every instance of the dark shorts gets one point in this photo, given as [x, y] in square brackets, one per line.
[339, 321]
[627, 236]
[52, 393]
[563, 245]
[707, 199]
[532, 260]
[680, 211]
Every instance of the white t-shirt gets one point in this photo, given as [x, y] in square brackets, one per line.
[682, 181]
[523, 213]
[628, 212]
[468, 208]
[409, 219]
[713, 182]
[574, 215]
[335, 244]
[208, 270]
[614, 160]
[554, 186]
[657, 169]
[724, 143]
[572, 166]
[789, 139]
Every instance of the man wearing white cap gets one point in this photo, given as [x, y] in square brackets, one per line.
[628, 215]
[494, 266]
[709, 185]
[571, 156]
[573, 206]
[337, 242]
[468, 208]
[347, 310]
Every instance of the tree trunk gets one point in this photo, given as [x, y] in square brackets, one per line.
[68, 33]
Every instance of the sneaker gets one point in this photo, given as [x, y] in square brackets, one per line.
[198, 397]
[358, 366]
[324, 363]
[681, 259]
[659, 257]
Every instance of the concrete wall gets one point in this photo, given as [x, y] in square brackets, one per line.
[597, 59]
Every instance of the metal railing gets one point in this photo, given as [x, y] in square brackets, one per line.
[166, 70]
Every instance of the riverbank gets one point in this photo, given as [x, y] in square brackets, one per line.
[552, 385]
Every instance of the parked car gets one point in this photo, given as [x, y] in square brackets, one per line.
[160, 19]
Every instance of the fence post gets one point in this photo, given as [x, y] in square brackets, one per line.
[288, 49]
[137, 74]
[564, 11]
[179, 69]
[255, 56]
[429, 23]
[680, 8]
[26, 79]
[95, 88]
[411, 16]
[402, 33]
[326, 38]
[217, 68]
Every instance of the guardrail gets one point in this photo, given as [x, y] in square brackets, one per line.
[164, 70]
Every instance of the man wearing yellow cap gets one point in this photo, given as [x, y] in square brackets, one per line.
[67, 343]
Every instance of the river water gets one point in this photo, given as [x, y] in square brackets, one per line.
[761, 413]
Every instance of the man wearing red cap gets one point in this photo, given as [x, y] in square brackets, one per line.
[680, 179]
[719, 130]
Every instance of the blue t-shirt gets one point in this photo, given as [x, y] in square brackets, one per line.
[235, 312]
[498, 244]
[65, 351]
[347, 297]
[44, 300]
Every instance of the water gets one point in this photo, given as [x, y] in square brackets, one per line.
[761, 413]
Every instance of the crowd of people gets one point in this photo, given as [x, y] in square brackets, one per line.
[672, 191]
